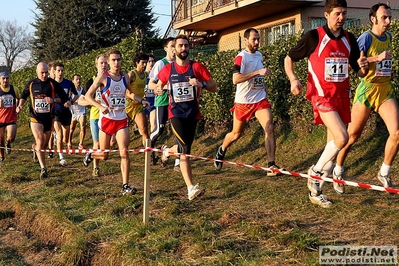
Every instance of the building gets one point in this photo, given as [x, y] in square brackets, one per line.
[223, 22]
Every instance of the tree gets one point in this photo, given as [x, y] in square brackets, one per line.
[14, 42]
[66, 29]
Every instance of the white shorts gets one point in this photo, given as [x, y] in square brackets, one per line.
[76, 117]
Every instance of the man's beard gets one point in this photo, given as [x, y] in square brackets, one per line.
[182, 57]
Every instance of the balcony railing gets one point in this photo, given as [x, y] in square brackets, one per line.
[188, 9]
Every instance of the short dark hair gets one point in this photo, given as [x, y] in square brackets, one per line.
[140, 56]
[374, 8]
[58, 64]
[247, 32]
[167, 41]
[113, 51]
[331, 4]
[183, 37]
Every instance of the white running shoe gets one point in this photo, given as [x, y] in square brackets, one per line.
[194, 192]
[165, 155]
[320, 200]
[63, 162]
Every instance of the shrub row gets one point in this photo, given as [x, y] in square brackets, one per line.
[215, 106]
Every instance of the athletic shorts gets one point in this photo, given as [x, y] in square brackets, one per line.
[110, 127]
[133, 109]
[76, 117]
[47, 123]
[373, 95]
[184, 131]
[94, 129]
[245, 111]
[324, 105]
[64, 117]
[7, 124]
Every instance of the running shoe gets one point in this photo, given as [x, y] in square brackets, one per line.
[63, 162]
[8, 145]
[194, 192]
[385, 180]
[339, 188]
[96, 172]
[275, 167]
[165, 155]
[154, 158]
[87, 159]
[50, 155]
[320, 200]
[313, 184]
[127, 189]
[219, 156]
[43, 173]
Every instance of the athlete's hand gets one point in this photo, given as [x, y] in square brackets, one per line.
[384, 56]
[296, 87]
[265, 72]
[159, 91]
[67, 104]
[104, 110]
[1, 102]
[145, 104]
[362, 61]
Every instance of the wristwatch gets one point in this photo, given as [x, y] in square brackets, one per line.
[204, 84]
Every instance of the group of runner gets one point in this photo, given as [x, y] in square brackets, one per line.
[172, 90]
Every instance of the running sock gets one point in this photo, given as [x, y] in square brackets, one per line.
[330, 151]
[339, 170]
[385, 169]
[177, 162]
[61, 155]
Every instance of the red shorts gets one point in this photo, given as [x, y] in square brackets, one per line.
[110, 127]
[245, 111]
[339, 105]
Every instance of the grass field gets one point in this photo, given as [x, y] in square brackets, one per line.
[244, 217]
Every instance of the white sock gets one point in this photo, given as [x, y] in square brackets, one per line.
[385, 169]
[339, 170]
[330, 151]
[177, 162]
[61, 155]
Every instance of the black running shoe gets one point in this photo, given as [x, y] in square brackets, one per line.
[219, 156]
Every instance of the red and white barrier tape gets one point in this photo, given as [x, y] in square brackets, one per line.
[296, 174]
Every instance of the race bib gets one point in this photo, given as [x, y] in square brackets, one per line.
[97, 96]
[383, 68]
[259, 83]
[117, 102]
[336, 69]
[7, 100]
[182, 92]
[41, 106]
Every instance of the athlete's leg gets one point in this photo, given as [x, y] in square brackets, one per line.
[82, 124]
[142, 124]
[389, 112]
[122, 138]
[359, 116]
[235, 134]
[265, 119]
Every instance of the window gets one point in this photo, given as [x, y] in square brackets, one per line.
[270, 35]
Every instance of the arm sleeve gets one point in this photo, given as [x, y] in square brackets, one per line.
[237, 64]
[355, 53]
[164, 74]
[201, 72]
[25, 93]
[305, 46]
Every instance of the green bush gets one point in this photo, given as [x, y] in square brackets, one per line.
[215, 106]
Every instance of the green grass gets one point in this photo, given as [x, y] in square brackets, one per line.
[244, 218]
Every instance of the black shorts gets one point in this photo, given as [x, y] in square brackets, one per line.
[7, 124]
[47, 122]
[64, 117]
[184, 131]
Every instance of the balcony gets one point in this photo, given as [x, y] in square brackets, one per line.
[215, 15]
